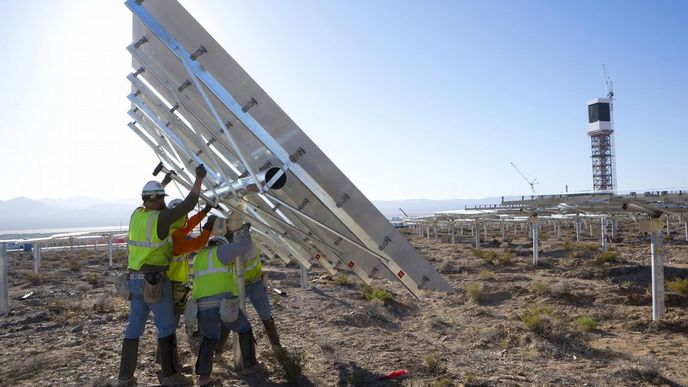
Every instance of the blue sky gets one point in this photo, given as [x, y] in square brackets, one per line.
[409, 99]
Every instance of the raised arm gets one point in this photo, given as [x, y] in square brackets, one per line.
[170, 215]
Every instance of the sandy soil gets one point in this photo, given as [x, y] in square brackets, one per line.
[568, 321]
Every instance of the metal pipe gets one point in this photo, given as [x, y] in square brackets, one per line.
[657, 258]
[536, 242]
[304, 277]
[36, 257]
[4, 279]
[603, 228]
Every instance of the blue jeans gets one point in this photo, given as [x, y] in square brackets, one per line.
[259, 299]
[163, 315]
[209, 323]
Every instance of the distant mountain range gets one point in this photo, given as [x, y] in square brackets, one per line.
[26, 214]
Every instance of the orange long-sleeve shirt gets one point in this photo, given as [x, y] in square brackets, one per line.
[182, 243]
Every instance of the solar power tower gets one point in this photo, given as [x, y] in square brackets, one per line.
[601, 132]
[192, 103]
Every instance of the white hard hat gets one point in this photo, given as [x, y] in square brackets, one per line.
[218, 240]
[153, 188]
[174, 203]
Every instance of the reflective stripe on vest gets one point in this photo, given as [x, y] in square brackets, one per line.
[144, 246]
[253, 268]
[211, 277]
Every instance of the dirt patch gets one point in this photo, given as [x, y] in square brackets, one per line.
[593, 327]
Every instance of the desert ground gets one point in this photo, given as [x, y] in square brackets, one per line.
[577, 318]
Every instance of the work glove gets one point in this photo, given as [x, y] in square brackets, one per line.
[201, 172]
[207, 208]
[210, 223]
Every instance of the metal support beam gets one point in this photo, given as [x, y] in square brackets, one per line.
[577, 226]
[615, 227]
[476, 233]
[36, 257]
[109, 247]
[453, 233]
[657, 258]
[4, 280]
[536, 242]
[304, 277]
[603, 229]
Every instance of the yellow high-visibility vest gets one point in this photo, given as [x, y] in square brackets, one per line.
[144, 245]
[179, 268]
[211, 277]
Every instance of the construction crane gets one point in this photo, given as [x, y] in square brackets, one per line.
[608, 83]
[531, 183]
[403, 212]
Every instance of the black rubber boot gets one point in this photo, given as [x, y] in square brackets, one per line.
[127, 364]
[222, 341]
[170, 375]
[271, 331]
[248, 352]
[204, 364]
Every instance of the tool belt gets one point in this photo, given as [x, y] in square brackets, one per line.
[180, 293]
[152, 285]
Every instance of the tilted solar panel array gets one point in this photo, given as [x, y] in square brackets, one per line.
[192, 103]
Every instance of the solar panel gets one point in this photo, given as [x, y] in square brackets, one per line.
[192, 103]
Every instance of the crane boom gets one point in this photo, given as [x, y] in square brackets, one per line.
[530, 183]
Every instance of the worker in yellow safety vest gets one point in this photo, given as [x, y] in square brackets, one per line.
[178, 272]
[255, 288]
[216, 293]
[150, 252]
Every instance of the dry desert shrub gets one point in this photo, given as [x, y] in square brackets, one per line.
[342, 279]
[586, 323]
[474, 290]
[535, 316]
[433, 364]
[678, 286]
[292, 364]
[370, 293]
[486, 274]
[606, 257]
[541, 287]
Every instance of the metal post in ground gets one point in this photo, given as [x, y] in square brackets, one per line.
[577, 225]
[476, 233]
[603, 228]
[502, 225]
[434, 230]
[685, 224]
[109, 247]
[615, 226]
[668, 226]
[304, 277]
[36, 257]
[4, 287]
[558, 231]
[535, 226]
[453, 233]
[657, 257]
[485, 231]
